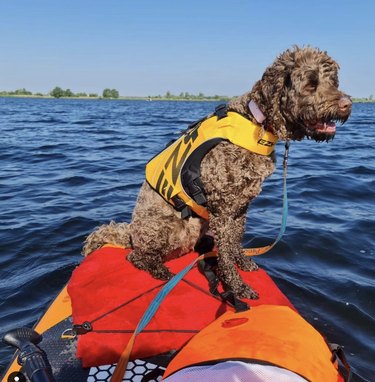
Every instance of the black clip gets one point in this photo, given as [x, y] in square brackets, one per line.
[286, 156]
[182, 207]
[339, 355]
[179, 204]
[196, 191]
[83, 329]
[221, 111]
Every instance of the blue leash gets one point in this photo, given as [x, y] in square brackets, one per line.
[260, 250]
[162, 294]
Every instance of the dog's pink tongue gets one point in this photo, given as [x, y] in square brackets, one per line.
[327, 128]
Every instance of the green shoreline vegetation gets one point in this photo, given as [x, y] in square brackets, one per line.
[107, 93]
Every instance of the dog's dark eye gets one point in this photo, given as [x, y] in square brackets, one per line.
[335, 80]
[312, 81]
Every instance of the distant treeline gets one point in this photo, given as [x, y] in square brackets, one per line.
[19, 92]
[58, 92]
[188, 96]
[369, 99]
[107, 93]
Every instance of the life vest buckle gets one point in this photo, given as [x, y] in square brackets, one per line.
[195, 190]
[179, 204]
[182, 207]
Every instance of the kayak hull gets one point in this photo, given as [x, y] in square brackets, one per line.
[62, 350]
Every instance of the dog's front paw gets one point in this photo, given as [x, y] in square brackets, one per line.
[232, 280]
[244, 291]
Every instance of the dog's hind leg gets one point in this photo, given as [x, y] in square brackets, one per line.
[112, 233]
[150, 262]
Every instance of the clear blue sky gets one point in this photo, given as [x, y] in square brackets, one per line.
[149, 47]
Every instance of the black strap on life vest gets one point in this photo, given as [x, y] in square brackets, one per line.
[182, 207]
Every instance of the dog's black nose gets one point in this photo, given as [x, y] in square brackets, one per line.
[345, 103]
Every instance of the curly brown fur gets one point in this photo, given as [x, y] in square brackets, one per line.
[298, 94]
[112, 233]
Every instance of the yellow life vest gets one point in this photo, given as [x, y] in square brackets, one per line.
[265, 334]
[174, 173]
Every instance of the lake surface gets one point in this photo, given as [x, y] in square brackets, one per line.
[70, 165]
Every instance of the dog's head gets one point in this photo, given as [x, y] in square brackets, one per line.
[299, 95]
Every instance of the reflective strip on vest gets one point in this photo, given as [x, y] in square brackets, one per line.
[266, 334]
[163, 172]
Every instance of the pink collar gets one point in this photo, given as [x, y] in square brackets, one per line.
[256, 112]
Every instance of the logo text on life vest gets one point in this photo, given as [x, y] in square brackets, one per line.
[264, 142]
[177, 158]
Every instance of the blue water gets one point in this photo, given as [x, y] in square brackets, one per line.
[69, 165]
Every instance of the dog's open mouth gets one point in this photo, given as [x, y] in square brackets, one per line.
[328, 128]
[322, 131]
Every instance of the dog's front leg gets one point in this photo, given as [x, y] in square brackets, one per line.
[244, 262]
[228, 232]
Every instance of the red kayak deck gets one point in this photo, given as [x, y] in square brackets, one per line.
[110, 294]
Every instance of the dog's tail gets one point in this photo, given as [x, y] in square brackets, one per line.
[112, 233]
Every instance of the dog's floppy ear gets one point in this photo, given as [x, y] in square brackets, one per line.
[269, 91]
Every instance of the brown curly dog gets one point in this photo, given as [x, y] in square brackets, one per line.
[297, 97]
